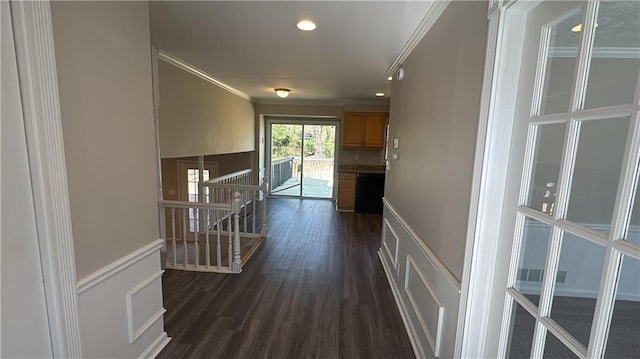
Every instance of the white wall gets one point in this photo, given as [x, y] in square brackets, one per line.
[434, 114]
[25, 327]
[197, 117]
[103, 56]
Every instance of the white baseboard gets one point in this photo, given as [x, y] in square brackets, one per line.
[426, 293]
[156, 347]
[120, 307]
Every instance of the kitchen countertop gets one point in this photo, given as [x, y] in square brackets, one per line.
[358, 168]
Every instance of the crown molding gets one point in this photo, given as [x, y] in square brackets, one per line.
[598, 52]
[175, 61]
[431, 16]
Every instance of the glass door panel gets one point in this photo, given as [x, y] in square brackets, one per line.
[597, 170]
[286, 151]
[633, 229]
[576, 238]
[531, 260]
[546, 167]
[624, 334]
[521, 333]
[318, 161]
[576, 286]
[560, 63]
[615, 58]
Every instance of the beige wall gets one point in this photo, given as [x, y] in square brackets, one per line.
[103, 57]
[198, 117]
[434, 114]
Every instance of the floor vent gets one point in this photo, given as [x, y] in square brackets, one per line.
[535, 275]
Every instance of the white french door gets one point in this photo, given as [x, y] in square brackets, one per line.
[573, 287]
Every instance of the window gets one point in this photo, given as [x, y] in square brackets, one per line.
[193, 181]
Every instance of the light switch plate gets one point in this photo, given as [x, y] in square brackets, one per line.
[396, 143]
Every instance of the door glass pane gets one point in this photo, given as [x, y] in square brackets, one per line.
[597, 169]
[531, 260]
[633, 230]
[615, 58]
[560, 65]
[520, 332]
[193, 180]
[624, 333]
[318, 172]
[577, 284]
[546, 166]
[286, 147]
[553, 348]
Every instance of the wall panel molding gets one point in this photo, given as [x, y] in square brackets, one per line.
[121, 309]
[134, 333]
[426, 293]
[113, 268]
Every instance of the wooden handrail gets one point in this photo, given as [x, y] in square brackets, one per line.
[183, 204]
[229, 176]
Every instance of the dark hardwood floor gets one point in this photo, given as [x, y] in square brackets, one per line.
[314, 289]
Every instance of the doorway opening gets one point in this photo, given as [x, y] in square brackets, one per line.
[302, 158]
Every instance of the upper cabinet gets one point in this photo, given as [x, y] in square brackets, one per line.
[363, 130]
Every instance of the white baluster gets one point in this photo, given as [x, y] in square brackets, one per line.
[243, 202]
[218, 244]
[253, 215]
[173, 236]
[207, 246]
[230, 251]
[263, 227]
[237, 261]
[184, 234]
[197, 221]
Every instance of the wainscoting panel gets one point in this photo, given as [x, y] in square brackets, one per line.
[390, 243]
[427, 294]
[120, 307]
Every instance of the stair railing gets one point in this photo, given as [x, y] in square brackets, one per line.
[208, 222]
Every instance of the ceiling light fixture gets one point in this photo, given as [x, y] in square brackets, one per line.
[281, 92]
[306, 25]
[390, 78]
[379, 94]
[578, 27]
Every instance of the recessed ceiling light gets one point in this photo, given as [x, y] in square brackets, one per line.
[379, 94]
[390, 78]
[282, 92]
[306, 25]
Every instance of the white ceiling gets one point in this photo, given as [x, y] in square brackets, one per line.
[254, 46]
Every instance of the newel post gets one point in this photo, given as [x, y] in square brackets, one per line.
[235, 208]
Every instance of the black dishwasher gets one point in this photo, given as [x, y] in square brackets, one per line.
[369, 192]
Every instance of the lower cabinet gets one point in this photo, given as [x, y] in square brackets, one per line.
[346, 191]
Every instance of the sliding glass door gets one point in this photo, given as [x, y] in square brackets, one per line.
[302, 158]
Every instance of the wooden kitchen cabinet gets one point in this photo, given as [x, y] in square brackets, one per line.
[363, 130]
[347, 191]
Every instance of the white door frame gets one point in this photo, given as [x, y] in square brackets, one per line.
[302, 120]
[493, 145]
[45, 146]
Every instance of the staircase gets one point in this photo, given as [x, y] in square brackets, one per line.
[219, 234]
